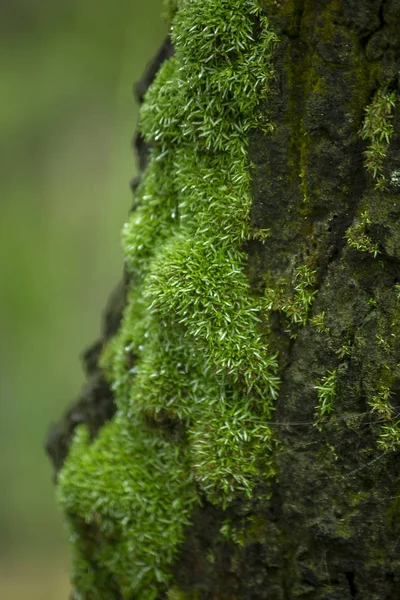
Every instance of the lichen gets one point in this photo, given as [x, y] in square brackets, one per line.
[192, 371]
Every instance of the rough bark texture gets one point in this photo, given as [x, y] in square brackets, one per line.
[331, 528]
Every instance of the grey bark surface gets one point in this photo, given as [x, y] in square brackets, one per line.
[331, 529]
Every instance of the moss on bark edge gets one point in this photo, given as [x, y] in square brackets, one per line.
[328, 526]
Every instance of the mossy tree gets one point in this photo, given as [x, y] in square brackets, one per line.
[239, 436]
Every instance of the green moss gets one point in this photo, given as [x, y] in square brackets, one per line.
[326, 390]
[386, 420]
[176, 594]
[344, 350]
[380, 404]
[377, 129]
[261, 234]
[170, 8]
[318, 321]
[389, 438]
[303, 185]
[383, 343]
[230, 447]
[293, 301]
[107, 483]
[192, 372]
[357, 237]
[381, 390]
[244, 530]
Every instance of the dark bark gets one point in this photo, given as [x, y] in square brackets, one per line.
[331, 528]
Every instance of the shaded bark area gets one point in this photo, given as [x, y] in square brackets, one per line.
[330, 529]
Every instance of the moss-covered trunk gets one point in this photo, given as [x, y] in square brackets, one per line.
[242, 433]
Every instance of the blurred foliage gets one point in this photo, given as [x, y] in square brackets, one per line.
[66, 121]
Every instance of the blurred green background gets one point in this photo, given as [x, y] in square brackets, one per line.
[66, 121]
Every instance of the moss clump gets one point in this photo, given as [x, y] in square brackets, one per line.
[386, 416]
[357, 237]
[107, 483]
[230, 447]
[380, 404]
[377, 130]
[344, 350]
[193, 375]
[318, 321]
[295, 302]
[326, 390]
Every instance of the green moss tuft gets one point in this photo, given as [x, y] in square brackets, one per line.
[389, 438]
[230, 447]
[193, 376]
[326, 390]
[380, 404]
[357, 237]
[377, 130]
[134, 489]
[294, 302]
[318, 321]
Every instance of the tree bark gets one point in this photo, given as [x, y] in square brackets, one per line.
[325, 185]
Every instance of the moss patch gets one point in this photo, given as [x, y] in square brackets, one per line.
[357, 237]
[107, 484]
[192, 372]
[326, 390]
[377, 129]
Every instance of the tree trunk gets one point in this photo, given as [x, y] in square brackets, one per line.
[240, 439]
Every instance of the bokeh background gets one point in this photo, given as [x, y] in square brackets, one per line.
[66, 121]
